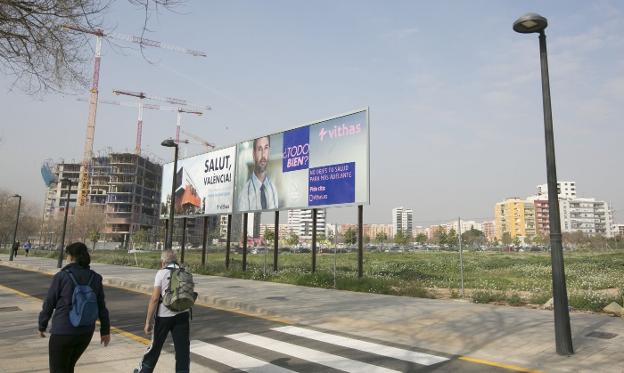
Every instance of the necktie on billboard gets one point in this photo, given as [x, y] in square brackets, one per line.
[263, 201]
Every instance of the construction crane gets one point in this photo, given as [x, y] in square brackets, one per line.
[183, 107]
[141, 105]
[83, 183]
[203, 142]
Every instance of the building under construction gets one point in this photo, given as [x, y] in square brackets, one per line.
[125, 185]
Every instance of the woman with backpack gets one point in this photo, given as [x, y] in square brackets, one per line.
[76, 296]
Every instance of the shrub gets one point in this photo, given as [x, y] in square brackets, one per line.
[486, 296]
[515, 300]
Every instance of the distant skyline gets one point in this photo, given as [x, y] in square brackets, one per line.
[454, 95]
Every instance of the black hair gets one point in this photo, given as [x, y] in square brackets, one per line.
[80, 253]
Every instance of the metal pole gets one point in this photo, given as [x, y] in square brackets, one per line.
[313, 240]
[203, 259]
[275, 241]
[563, 335]
[228, 241]
[245, 241]
[19, 206]
[59, 264]
[461, 256]
[169, 242]
[183, 240]
[335, 250]
[360, 241]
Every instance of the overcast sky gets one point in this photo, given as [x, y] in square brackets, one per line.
[454, 95]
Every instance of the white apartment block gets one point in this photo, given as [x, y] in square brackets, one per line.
[566, 190]
[402, 220]
[466, 225]
[586, 215]
[300, 223]
[618, 230]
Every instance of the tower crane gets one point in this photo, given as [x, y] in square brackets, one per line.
[141, 105]
[182, 107]
[199, 139]
[83, 183]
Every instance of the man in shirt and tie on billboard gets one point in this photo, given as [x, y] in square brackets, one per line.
[259, 193]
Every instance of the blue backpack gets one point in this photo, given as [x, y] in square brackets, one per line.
[84, 310]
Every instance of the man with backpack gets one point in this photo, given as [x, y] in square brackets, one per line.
[168, 311]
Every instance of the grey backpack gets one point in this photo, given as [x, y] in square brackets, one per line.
[181, 295]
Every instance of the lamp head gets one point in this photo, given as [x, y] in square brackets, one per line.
[169, 143]
[530, 23]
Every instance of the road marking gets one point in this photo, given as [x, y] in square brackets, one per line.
[499, 365]
[24, 295]
[234, 359]
[373, 348]
[304, 353]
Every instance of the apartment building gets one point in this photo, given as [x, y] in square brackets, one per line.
[300, 222]
[516, 217]
[402, 221]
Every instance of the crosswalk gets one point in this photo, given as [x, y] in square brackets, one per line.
[279, 349]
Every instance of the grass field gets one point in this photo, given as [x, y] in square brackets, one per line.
[594, 279]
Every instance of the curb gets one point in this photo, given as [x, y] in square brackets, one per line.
[224, 304]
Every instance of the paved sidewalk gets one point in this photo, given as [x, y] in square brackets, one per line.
[507, 335]
[22, 350]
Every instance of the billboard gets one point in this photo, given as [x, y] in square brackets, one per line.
[204, 184]
[318, 165]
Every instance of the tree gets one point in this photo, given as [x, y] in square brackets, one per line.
[473, 237]
[506, 238]
[268, 235]
[42, 55]
[350, 237]
[88, 221]
[401, 238]
[94, 237]
[421, 238]
[140, 238]
[292, 240]
[381, 237]
[440, 236]
[516, 241]
[452, 239]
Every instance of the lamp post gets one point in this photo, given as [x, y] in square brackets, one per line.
[59, 263]
[19, 205]
[527, 24]
[170, 143]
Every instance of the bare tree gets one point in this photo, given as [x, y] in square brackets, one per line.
[89, 221]
[39, 53]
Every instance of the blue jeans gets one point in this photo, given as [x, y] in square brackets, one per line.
[178, 325]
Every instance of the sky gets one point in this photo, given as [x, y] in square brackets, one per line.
[454, 95]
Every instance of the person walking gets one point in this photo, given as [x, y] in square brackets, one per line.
[15, 247]
[67, 341]
[161, 320]
[27, 247]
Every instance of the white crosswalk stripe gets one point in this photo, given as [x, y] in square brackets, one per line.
[304, 353]
[356, 344]
[234, 359]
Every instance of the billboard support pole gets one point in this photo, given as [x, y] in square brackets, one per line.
[275, 241]
[360, 241]
[183, 240]
[166, 232]
[313, 240]
[203, 260]
[228, 234]
[245, 217]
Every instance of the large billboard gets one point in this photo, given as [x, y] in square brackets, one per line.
[322, 164]
[318, 165]
[204, 184]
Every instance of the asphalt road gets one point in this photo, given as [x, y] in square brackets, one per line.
[235, 342]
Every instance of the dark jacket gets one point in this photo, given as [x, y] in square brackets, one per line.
[59, 300]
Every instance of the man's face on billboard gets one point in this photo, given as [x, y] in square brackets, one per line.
[261, 154]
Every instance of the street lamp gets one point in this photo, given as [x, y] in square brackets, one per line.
[60, 256]
[19, 205]
[527, 24]
[170, 143]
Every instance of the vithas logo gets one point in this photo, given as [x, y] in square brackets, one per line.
[340, 131]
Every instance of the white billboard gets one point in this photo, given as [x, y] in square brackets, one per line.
[204, 184]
